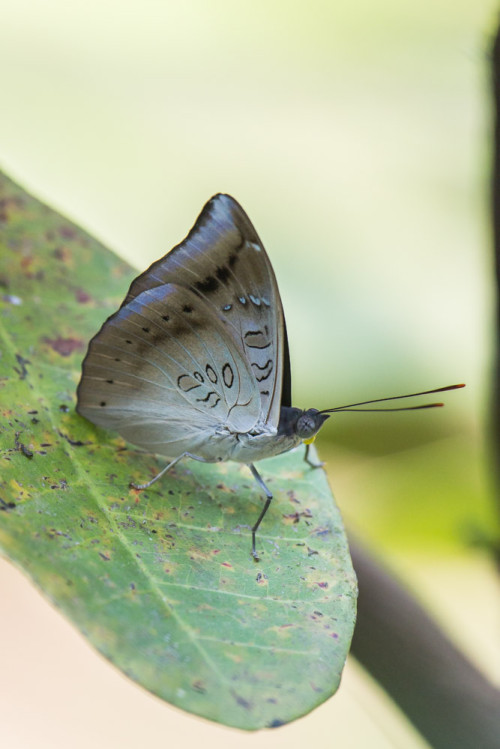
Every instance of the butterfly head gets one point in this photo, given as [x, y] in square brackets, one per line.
[306, 424]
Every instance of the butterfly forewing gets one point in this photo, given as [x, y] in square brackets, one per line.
[165, 374]
[223, 262]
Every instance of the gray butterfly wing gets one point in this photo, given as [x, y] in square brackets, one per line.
[164, 373]
[223, 261]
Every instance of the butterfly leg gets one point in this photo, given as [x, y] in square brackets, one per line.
[269, 497]
[167, 468]
[308, 459]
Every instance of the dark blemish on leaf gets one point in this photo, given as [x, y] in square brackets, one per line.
[322, 585]
[6, 505]
[187, 309]
[132, 586]
[22, 372]
[295, 516]
[231, 261]
[106, 557]
[311, 552]
[64, 408]
[198, 686]
[318, 613]
[242, 702]
[110, 382]
[227, 564]
[46, 444]
[22, 448]
[34, 420]
[64, 346]
[277, 723]
[102, 403]
[74, 443]
[146, 330]
[165, 317]
[314, 687]
[129, 342]
[32, 412]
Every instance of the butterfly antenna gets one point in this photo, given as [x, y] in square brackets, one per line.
[355, 406]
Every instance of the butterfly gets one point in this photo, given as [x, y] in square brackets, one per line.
[195, 362]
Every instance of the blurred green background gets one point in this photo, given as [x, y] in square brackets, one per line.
[357, 136]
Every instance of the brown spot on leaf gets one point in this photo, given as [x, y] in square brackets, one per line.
[81, 296]
[68, 232]
[63, 254]
[26, 261]
[64, 346]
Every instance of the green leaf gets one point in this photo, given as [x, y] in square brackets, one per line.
[161, 581]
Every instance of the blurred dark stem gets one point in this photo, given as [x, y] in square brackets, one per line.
[495, 195]
[446, 698]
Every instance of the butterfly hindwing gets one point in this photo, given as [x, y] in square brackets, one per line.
[165, 374]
